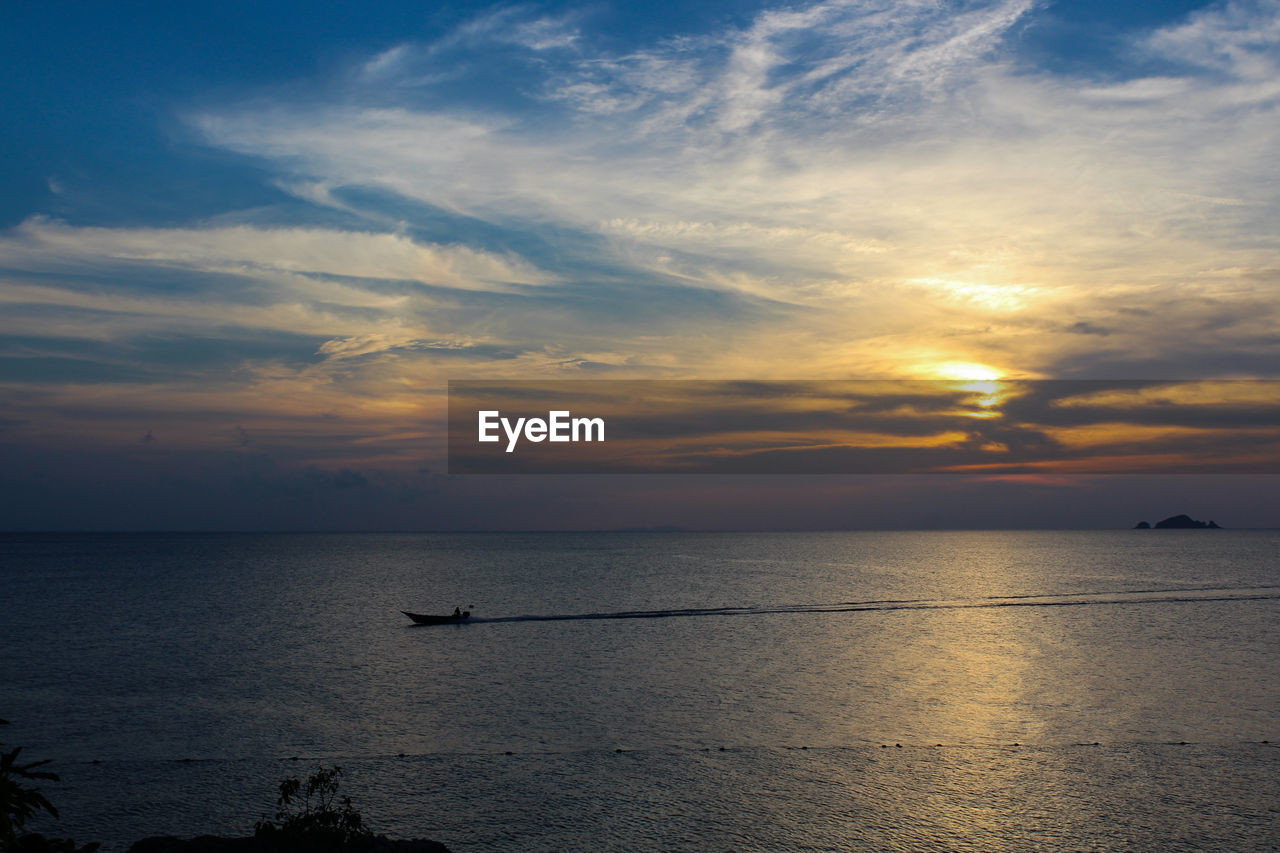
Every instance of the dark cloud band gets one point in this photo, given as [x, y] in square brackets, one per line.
[995, 427]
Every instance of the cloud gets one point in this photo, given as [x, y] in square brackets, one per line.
[863, 190]
[41, 245]
[896, 166]
[882, 427]
[270, 294]
[828, 190]
[1237, 39]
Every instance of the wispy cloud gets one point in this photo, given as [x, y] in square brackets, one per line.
[44, 245]
[831, 189]
[353, 290]
[895, 164]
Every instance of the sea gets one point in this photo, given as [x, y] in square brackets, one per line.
[654, 691]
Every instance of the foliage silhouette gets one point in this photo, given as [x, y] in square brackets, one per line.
[20, 803]
[311, 817]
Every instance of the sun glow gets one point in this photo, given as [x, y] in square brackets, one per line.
[982, 382]
[969, 370]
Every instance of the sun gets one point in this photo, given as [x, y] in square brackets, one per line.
[968, 370]
[982, 381]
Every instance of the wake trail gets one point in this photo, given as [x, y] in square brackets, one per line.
[1176, 595]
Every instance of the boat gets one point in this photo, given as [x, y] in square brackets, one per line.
[430, 619]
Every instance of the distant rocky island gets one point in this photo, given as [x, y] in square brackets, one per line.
[1178, 522]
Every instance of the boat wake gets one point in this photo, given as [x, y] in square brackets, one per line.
[1177, 595]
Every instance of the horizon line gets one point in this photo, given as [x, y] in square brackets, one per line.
[654, 529]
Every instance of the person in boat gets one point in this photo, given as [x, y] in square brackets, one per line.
[457, 613]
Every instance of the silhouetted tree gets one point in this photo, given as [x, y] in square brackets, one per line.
[21, 802]
[311, 817]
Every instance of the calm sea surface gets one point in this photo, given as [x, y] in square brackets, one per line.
[842, 691]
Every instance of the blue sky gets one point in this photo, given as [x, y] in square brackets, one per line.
[267, 234]
[96, 92]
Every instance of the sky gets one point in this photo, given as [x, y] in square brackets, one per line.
[245, 246]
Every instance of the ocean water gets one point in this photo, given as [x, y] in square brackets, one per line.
[991, 691]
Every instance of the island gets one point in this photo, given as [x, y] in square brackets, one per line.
[1178, 522]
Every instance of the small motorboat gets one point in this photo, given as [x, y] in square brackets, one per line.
[430, 619]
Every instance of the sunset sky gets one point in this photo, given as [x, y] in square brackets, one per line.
[244, 246]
